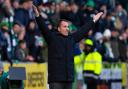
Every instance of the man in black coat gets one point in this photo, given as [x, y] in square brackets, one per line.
[61, 50]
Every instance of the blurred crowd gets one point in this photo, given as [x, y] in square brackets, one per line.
[21, 39]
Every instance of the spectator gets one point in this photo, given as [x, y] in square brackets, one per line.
[60, 50]
[109, 56]
[21, 35]
[115, 43]
[22, 13]
[21, 52]
[121, 16]
[78, 64]
[98, 43]
[5, 9]
[56, 16]
[15, 4]
[88, 12]
[33, 40]
[15, 32]
[101, 24]
[123, 46]
[74, 15]
[92, 65]
[5, 42]
[108, 22]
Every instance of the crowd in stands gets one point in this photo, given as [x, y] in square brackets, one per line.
[21, 39]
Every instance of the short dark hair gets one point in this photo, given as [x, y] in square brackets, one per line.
[23, 1]
[16, 23]
[21, 41]
[59, 23]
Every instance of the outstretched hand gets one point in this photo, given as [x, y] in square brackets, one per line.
[36, 11]
[97, 16]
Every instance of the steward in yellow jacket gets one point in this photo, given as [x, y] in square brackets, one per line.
[78, 66]
[92, 65]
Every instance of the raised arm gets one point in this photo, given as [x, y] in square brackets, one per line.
[42, 26]
[82, 32]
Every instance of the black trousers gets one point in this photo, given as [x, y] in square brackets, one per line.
[91, 83]
[60, 85]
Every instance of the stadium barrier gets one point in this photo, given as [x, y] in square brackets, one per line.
[36, 74]
[115, 74]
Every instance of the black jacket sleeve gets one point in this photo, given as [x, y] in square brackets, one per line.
[82, 32]
[44, 29]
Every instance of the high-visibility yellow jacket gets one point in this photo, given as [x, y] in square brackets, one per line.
[92, 64]
[78, 62]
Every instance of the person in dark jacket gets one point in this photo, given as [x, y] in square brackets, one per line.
[60, 50]
[22, 13]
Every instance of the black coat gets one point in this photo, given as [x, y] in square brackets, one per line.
[61, 51]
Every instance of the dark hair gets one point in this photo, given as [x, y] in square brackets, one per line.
[23, 1]
[37, 2]
[30, 21]
[59, 23]
[21, 42]
[17, 23]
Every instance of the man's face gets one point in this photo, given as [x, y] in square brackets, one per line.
[30, 3]
[87, 48]
[16, 28]
[63, 28]
[23, 45]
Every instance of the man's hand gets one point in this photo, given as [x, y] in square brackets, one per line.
[97, 16]
[37, 14]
